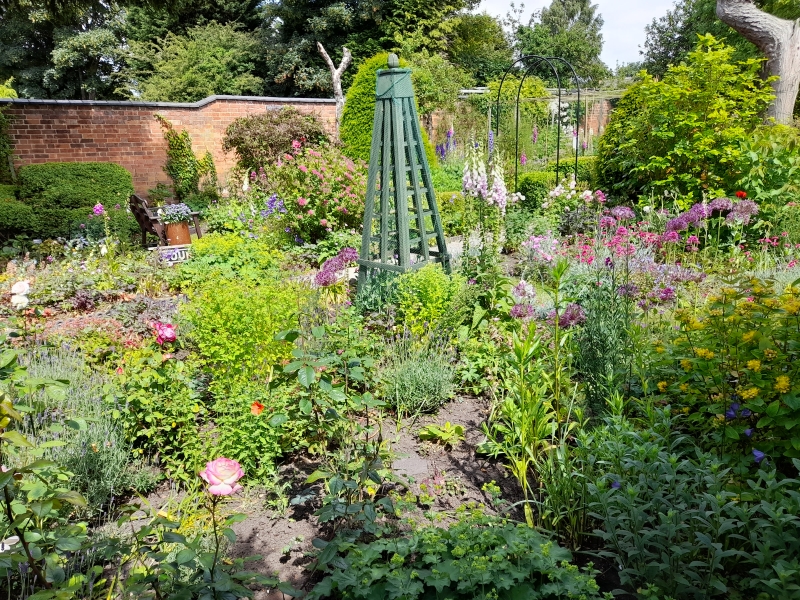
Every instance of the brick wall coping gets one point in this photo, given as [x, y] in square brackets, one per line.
[200, 104]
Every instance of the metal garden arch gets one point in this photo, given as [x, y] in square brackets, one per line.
[528, 67]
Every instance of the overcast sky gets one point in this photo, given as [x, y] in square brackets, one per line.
[623, 32]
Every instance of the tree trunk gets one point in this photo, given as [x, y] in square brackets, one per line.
[336, 77]
[779, 40]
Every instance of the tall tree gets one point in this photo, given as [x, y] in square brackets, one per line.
[569, 29]
[479, 46]
[778, 39]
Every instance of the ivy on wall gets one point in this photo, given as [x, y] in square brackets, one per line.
[6, 148]
[184, 168]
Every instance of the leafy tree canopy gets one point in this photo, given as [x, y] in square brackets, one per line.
[569, 29]
[209, 59]
[480, 47]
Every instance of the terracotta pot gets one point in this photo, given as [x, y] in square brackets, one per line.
[178, 234]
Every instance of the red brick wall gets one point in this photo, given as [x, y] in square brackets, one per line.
[127, 133]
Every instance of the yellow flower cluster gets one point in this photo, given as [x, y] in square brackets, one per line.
[662, 386]
[748, 337]
[749, 394]
[754, 365]
[704, 353]
[686, 364]
[782, 384]
[769, 353]
[792, 306]
[684, 387]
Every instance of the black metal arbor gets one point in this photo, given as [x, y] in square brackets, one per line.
[530, 62]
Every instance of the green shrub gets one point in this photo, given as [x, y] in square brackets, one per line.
[16, 218]
[770, 167]
[535, 186]
[476, 558]
[8, 192]
[359, 111]
[587, 166]
[684, 133]
[447, 176]
[424, 296]
[261, 139]
[233, 324]
[417, 378]
[451, 210]
[74, 185]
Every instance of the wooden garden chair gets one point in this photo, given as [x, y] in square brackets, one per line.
[150, 223]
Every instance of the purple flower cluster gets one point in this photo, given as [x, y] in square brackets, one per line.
[522, 311]
[572, 315]
[693, 217]
[720, 205]
[623, 213]
[733, 412]
[328, 275]
[274, 205]
[607, 222]
[628, 290]
[742, 211]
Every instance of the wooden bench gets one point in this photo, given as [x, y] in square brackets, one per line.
[149, 222]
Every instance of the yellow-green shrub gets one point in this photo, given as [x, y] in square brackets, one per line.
[424, 296]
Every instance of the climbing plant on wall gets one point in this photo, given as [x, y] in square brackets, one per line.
[185, 169]
[6, 148]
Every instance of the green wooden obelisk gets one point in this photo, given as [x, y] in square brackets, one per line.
[400, 215]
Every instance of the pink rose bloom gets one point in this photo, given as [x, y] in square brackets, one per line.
[164, 333]
[222, 475]
[302, 201]
[323, 222]
[311, 212]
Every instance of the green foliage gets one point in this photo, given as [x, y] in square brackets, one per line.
[447, 435]
[183, 167]
[570, 29]
[359, 111]
[259, 140]
[209, 59]
[8, 193]
[532, 99]
[160, 410]
[770, 167]
[16, 218]
[447, 176]
[726, 540]
[684, 133]
[452, 206]
[587, 166]
[535, 186]
[437, 82]
[424, 296]
[228, 256]
[417, 378]
[322, 191]
[479, 45]
[74, 185]
[732, 367]
[427, 25]
[6, 91]
[478, 557]
[233, 325]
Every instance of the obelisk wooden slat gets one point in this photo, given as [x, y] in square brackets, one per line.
[400, 214]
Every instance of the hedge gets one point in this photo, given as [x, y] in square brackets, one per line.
[8, 192]
[60, 197]
[74, 185]
[359, 111]
[16, 218]
[535, 186]
[586, 169]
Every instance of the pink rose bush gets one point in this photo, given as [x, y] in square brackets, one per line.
[222, 476]
[165, 332]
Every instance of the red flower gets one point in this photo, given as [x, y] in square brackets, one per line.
[256, 408]
[741, 195]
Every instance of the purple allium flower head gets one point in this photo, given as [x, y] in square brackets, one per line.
[678, 223]
[741, 212]
[334, 264]
[522, 311]
[758, 456]
[572, 315]
[607, 222]
[325, 278]
[698, 213]
[628, 290]
[623, 213]
[349, 255]
[666, 294]
[720, 205]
